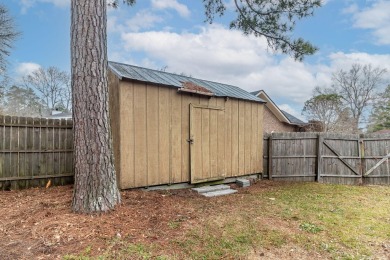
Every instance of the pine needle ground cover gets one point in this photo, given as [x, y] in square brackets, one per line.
[269, 220]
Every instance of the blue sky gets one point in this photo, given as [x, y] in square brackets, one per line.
[172, 34]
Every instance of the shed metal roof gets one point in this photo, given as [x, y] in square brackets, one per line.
[174, 80]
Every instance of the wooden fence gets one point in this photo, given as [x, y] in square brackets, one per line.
[35, 150]
[327, 157]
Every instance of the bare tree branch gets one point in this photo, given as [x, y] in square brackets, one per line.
[8, 35]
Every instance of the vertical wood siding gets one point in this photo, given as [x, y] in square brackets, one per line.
[155, 125]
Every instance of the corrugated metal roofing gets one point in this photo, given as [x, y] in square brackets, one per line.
[169, 79]
[256, 93]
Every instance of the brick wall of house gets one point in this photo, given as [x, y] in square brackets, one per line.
[272, 123]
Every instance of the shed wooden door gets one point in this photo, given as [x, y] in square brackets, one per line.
[207, 143]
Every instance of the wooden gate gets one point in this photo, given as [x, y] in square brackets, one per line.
[328, 158]
[207, 132]
[339, 159]
[375, 159]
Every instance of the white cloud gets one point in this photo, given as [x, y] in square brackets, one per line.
[223, 55]
[351, 9]
[341, 60]
[143, 20]
[26, 68]
[26, 4]
[182, 9]
[218, 54]
[375, 18]
[214, 50]
[118, 21]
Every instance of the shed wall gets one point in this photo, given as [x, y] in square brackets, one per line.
[113, 86]
[154, 128]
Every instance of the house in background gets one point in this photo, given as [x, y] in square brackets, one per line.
[277, 120]
[55, 114]
[170, 129]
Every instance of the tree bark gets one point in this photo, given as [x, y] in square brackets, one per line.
[95, 187]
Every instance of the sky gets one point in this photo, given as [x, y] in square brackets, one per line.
[172, 34]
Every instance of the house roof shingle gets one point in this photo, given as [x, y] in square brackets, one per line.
[174, 80]
[293, 119]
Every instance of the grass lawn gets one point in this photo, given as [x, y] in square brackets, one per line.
[296, 220]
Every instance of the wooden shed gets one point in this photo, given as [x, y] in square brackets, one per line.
[170, 128]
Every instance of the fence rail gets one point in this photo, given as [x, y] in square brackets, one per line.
[327, 157]
[34, 150]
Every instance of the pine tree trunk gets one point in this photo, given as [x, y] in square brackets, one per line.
[95, 187]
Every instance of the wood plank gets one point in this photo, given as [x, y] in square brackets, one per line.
[377, 165]
[319, 157]
[247, 137]
[14, 145]
[56, 147]
[205, 145]
[176, 137]
[152, 139]
[213, 142]
[270, 156]
[32, 126]
[22, 140]
[50, 146]
[196, 146]
[185, 135]
[127, 135]
[221, 124]
[7, 145]
[260, 139]
[24, 178]
[164, 135]
[254, 136]
[36, 145]
[140, 145]
[235, 137]
[228, 137]
[241, 138]
[29, 146]
[293, 175]
[69, 145]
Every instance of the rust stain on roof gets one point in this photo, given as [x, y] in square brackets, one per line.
[188, 86]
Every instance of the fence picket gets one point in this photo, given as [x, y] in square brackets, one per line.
[329, 157]
[31, 152]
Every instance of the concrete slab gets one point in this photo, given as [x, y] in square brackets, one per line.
[205, 189]
[218, 193]
[243, 182]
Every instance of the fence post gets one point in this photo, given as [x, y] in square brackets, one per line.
[270, 157]
[361, 155]
[320, 141]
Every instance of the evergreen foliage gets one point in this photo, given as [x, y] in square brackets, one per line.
[380, 114]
